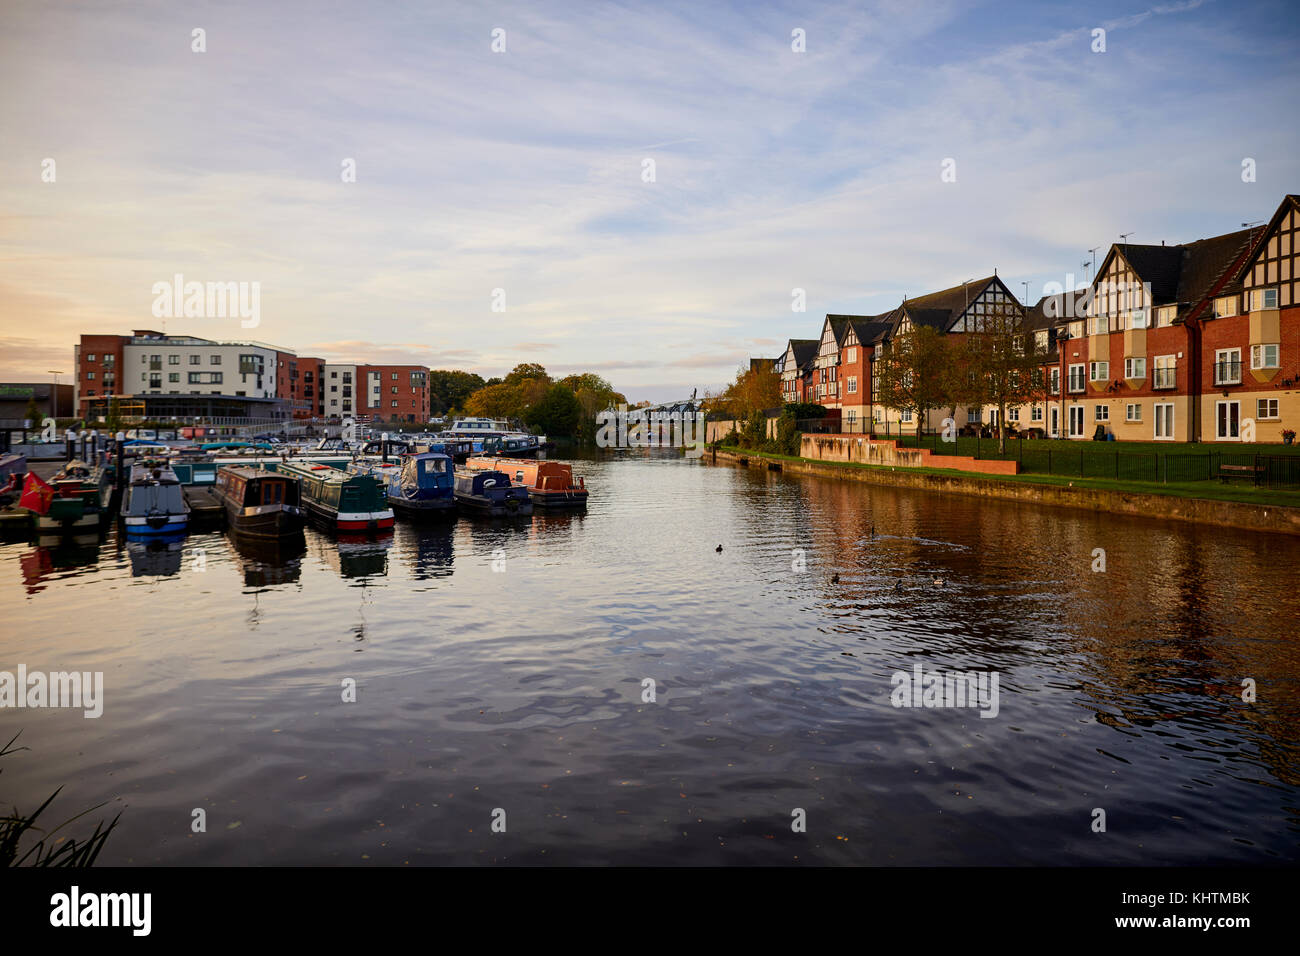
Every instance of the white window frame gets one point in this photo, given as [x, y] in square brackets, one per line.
[1135, 367]
[1220, 361]
[1081, 416]
[1082, 377]
[1133, 412]
[1092, 371]
[853, 385]
[1218, 422]
[1163, 410]
[1101, 413]
[1259, 355]
[1259, 299]
[1267, 409]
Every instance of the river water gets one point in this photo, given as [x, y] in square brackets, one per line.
[502, 674]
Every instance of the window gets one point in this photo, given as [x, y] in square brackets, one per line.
[1263, 299]
[851, 355]
[1263, 356]
[1266, 408]
[851, 416]
[90, 375]
[1135, 368]
[144, 359]
[1227, 367]
[1101, 413]
[174, 377]
[1013, 414]
[1225, 305]
[1098, 371]
[196, 359]
[905, 415]
[1165, 315]
[1076, 421]
[108, 359]
[215, 360]
[1132, 413]
[1138, 319]
[1076, 378]
[173, 360]
[1076, 330]
[394, 389]
[1163, 375]
[394, 404]
[394, 376]
[205, 378]
[334, 374]
[1096, 325]
[155, 379]
[853, 384]
[91, 357]
[1040, 341]
[376, 389]
[1054, 380]
[1164, 421]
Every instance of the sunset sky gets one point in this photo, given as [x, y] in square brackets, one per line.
[522, 170]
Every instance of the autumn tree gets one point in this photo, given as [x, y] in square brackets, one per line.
[914, 370]
[999, 366]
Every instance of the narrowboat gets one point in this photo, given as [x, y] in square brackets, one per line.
[490, 493]
[513, 446]
[153, 503]
[550, 484]
[260, 503]
[418, 485]
[350, 504]
[82, 495]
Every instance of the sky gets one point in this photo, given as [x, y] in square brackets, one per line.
[525, 169]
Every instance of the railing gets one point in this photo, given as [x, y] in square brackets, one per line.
[1164, 378]
[1077, 384]
[1227, 373]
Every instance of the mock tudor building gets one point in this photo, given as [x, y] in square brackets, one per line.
[796, 370]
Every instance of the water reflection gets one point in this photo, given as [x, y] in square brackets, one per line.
[353, 556]
[427, 548]
[268, 562]
[55, 555]
[156, 555]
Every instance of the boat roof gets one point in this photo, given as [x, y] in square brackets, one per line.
[249, 472]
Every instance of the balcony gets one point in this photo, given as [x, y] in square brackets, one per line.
[1227, 373]
[1163, 378]
[1077, 384]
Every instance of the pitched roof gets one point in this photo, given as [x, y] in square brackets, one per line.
[867, 328]
[1290, 203]
[805, 350]
[1185, 274]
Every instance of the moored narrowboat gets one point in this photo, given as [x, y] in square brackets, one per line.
[260, 503]
[550, 484]
[340, 502]
[491, 493]
[418, 485]
[82, 494]
[153, 503]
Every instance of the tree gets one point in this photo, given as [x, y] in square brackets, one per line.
[594, 395]
[754, 391]
[999, 366]
[527, 370]
[449, 389]
[914, 370]
[495, 401]
[557, 413]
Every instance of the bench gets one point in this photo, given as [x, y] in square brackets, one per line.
[1240, 471]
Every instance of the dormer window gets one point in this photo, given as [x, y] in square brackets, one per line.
[1165, 315]
[1225, 305]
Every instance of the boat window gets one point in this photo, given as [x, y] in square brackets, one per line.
[272, 492]
[435, 466]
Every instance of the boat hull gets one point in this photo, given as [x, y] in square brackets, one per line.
[494, 507]
[558, 500]
[156, 525]
[265, 521]
[423, 507]
[349, 522]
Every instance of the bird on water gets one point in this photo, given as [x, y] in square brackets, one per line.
[718, 549]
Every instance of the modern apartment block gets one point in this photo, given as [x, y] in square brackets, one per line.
[158, 375]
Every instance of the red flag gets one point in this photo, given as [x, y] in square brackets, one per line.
[36, 495]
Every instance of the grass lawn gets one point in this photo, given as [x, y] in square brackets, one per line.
[1204, 490]
[987, 447]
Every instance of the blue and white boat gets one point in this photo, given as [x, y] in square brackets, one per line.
[153, 503]
[417, 485]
